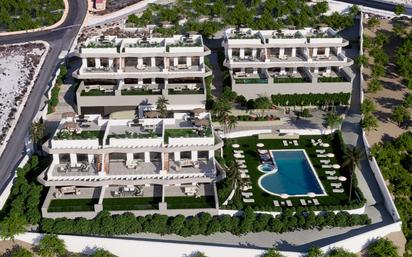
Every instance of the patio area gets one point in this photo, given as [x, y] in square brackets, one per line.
[119, 167]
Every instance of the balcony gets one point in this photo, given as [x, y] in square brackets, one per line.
[185, 89]
[143, 68]
[133, 135]
[98, 90]
[101, 69]
[249, 78]
[120, 167]
[70, 170]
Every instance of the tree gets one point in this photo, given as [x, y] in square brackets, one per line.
[361, 60]
[369, 122]
[378, 71]
[382, 248]
[352, 158]
[373, 22]
[315, 252]
[374, 86]
[399, 9]
[161, 106]
[198, 254]
[407, 101]
[339, 252]
[99, 252]
[333, 121]
[50, 246]
[36, 132]
[13, 225]
[272, 253]
[231, 122]
[20, 252]
[400, 115]
[368, 106]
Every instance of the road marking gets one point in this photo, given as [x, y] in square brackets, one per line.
[66, 27]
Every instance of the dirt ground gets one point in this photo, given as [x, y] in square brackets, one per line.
[392, 93]
[7, 245]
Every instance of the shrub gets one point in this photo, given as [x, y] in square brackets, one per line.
[374, 86]
[306, 113]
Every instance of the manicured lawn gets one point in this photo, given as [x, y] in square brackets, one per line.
[263, 199]
[72, 205]
[131, 203]
[189, 202]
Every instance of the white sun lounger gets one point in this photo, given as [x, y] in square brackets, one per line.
[246, 188]
[242, 166]
[325, 161]
[276, 203]
[338, 190]
[332, 178]
[330, 172]
[243, 171]
[248, 200]
[295, 143]
[321, 156]
[247, 194]
[321, 151]
[285, 143]
[243, 175]
[303, 202]
[327, 166]
[289, 203]
[240, 161]
[238, 151]
[315, 201]
[336, 184]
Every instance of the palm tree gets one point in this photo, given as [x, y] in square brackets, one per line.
[333, 120]
[161, 106]
[352, 158]
[36, 132]
[231, 122]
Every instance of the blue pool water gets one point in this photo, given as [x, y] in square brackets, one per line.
[295, 175]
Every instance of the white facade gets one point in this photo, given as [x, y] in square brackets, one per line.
[302, 61]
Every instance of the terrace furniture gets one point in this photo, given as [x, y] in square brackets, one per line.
[325, 161]
[247, 194]
[327, 166]
[321, 156]
[303, 202]
[240, 161]
[338, 190]
[248, 200]
[330, 172]
[289, 203]
[332, 178]
[141, 67]
[69, 190]
[285, 143]
[337, 185]
[238, 151]
[315, 201]
[309, 201]
[182, 66]
[295, 143]
[242, 166]
[62, 169]
[276, 203]
[321, 151]
[242, 175]
[243, 170]
[115, 193]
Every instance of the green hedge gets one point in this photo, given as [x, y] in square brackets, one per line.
[311, 99]
[202, 224]
[331, 79]
[54, 98]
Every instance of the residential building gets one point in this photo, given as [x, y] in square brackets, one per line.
[119, 144]
[267, 62]
[100, 5]
[120, 74]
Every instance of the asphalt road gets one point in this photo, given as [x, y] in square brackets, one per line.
[376, 4]
[59, 39]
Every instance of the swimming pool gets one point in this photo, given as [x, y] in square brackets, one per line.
[295, 176]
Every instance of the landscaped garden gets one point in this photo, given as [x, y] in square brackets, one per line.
[72, 205]
[95, 92]
[264, 200]
[187, 202]
[131, 203]
[139, 92]
[186, 132]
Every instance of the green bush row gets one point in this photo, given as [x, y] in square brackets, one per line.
[311, 99]
[201, 224]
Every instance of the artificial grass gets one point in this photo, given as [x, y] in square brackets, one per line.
[131, 203]
[189, 202]
[72, 205]
[265, 200]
